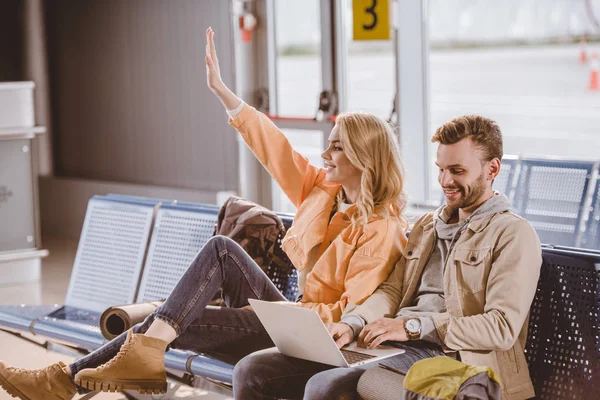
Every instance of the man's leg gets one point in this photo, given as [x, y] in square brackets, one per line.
[413, 352]
[381, 383]
[336, 384]
[342, 383]
[268, 374]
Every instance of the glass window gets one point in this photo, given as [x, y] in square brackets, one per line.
[370, 72]
[518, 62]
[298, 43]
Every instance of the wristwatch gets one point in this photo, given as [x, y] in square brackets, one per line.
[412, 326]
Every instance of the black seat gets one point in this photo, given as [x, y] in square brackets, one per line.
[563, 347]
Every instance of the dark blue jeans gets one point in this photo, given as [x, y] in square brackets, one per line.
[227, 333]
[268, 374]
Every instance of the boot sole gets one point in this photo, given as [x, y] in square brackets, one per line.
[143, 387]
[11, 390]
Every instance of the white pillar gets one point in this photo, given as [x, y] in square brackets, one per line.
[36, 70]
[252, 185]
[412, 101]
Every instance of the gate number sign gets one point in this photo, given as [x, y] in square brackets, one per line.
[371, 19]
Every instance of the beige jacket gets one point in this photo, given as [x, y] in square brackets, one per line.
[490, 279]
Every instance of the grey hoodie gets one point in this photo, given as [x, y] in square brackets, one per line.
[429, 299]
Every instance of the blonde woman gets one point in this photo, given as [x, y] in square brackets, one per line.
[347, 234]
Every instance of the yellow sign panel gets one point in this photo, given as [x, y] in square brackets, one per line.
[371, 19]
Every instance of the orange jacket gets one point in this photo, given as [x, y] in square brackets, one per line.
[339, 263]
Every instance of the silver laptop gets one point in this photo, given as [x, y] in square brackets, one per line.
[299, 332]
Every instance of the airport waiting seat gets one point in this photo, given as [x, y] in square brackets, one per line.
[504, 182]
[115, 241]
[591, 236]
[106, 271]
[563, 346]
[550, 194]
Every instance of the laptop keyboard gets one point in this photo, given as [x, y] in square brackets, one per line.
[354, 357]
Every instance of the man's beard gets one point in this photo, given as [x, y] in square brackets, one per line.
[477, 189]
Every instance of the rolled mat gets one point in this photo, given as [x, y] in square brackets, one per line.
[118, 319]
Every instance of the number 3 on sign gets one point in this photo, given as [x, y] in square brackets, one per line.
[371, 19]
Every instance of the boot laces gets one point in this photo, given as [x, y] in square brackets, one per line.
[124, 348]
[34, 372]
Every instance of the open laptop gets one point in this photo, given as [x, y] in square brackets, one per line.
[299, 332]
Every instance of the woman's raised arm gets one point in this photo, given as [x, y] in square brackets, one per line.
[213, 75]
[293, 172]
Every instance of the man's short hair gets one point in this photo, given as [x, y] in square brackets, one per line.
[484, 132]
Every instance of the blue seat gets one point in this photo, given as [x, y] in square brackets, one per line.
[504, 182]
[18, 318]
[286, 279]
[114, 240]
[591, 237]
[550, 194]
[180, 231]
[198, 365]
[72, 326]
[113, 243]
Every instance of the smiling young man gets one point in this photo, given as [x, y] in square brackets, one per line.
[463, 287]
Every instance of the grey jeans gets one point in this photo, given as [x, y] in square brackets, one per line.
[227, 333]
[267, 374]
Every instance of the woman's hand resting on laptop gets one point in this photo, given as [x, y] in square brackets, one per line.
[341, 333]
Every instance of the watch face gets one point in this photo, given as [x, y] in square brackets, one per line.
[413, 325]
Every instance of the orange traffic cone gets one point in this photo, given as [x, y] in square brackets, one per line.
[583, 57]
[594, 67]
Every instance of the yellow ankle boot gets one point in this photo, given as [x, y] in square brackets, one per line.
[39, 384]
[139, 365]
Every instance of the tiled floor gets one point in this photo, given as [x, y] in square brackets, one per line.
[56, 270]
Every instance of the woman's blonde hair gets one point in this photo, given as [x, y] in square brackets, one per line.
[371, 145]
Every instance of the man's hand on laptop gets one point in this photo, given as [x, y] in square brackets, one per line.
[382, 330]
[341, 333]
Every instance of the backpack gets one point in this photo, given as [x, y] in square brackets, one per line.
[253, 227]
[446, 378]
[433, 378]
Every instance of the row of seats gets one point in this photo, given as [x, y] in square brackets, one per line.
[131, 250]
[560, 198]
[135, 250]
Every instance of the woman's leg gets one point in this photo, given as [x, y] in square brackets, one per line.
[220, 263]
[228, 334]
